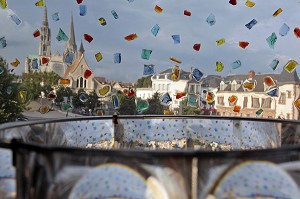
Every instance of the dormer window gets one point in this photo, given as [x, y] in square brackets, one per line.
[223, 85]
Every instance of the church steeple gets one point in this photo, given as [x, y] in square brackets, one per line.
[45, 41]
[81, 50]
[45, 18]
[71, 44]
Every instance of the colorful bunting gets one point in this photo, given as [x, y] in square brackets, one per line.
[61, 36]
[146, 54]
[98, 56]
[176, 39]
[15, 63]
[271, 40]
[82, 10]
[115, 15]
[158, 9]
[40, 3]
[155, 30]
[148, 69]
[117, 58]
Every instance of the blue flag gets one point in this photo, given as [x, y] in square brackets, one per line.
[155, 30]
[117, 58]
[176, 39]
[148, 69]
[83, 10]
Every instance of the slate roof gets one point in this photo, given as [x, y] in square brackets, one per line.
[100, 79]
[183, 74]
[211, 81]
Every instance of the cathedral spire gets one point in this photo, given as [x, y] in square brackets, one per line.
[72, 34]
[45, 18]
[71, 46]
[81, 49]
[45, 39]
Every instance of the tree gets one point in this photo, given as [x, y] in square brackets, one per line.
[36, 82]
[76, 101]
[92, 102]
[144, 82]
[10, 104]
[63, 92]
[127, 105]
[187, 110]
[155, 107]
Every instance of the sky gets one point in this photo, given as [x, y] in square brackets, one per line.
[139, 17]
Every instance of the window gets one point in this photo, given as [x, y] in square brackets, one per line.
[224, 113]
[158, 86]
[85, 83]
[77, 83]
[168, 87]
[255, 102]
[288, 116]
[233, 87]
[192, 88]
[221, 100]
[161, 77]
[81, 82]
[289, 93]
[245, 103]
[163, 87]
[197, 88]
[282, 99]
[266, 103]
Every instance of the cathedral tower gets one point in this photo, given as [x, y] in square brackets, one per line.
[45, 42]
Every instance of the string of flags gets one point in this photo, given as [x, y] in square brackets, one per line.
[149, 69]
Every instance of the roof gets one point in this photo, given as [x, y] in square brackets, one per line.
[73, 66]
[283, 78]
[211, 81]
[31, 56]
[183, 74]
[81, 49]
[100, 79]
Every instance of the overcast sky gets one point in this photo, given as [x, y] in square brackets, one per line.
[139, 17]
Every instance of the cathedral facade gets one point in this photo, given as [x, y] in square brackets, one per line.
[70, 65]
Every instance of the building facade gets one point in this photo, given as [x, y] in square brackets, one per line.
[281, 106]
[163, 83]
[70, 65]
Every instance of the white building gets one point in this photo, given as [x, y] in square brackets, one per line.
[209, 83]
[250, 102]
[162, 83]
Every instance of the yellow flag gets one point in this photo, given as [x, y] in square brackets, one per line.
[219, 66]
[40, 3]
[98, 56]
[15, 63]
[220, 42]
[290, 66]
[277, 12]
[250, 4]
[22, 96]
[3, 4]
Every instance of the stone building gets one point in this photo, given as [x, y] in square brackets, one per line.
[250, 102]
[70, 65]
